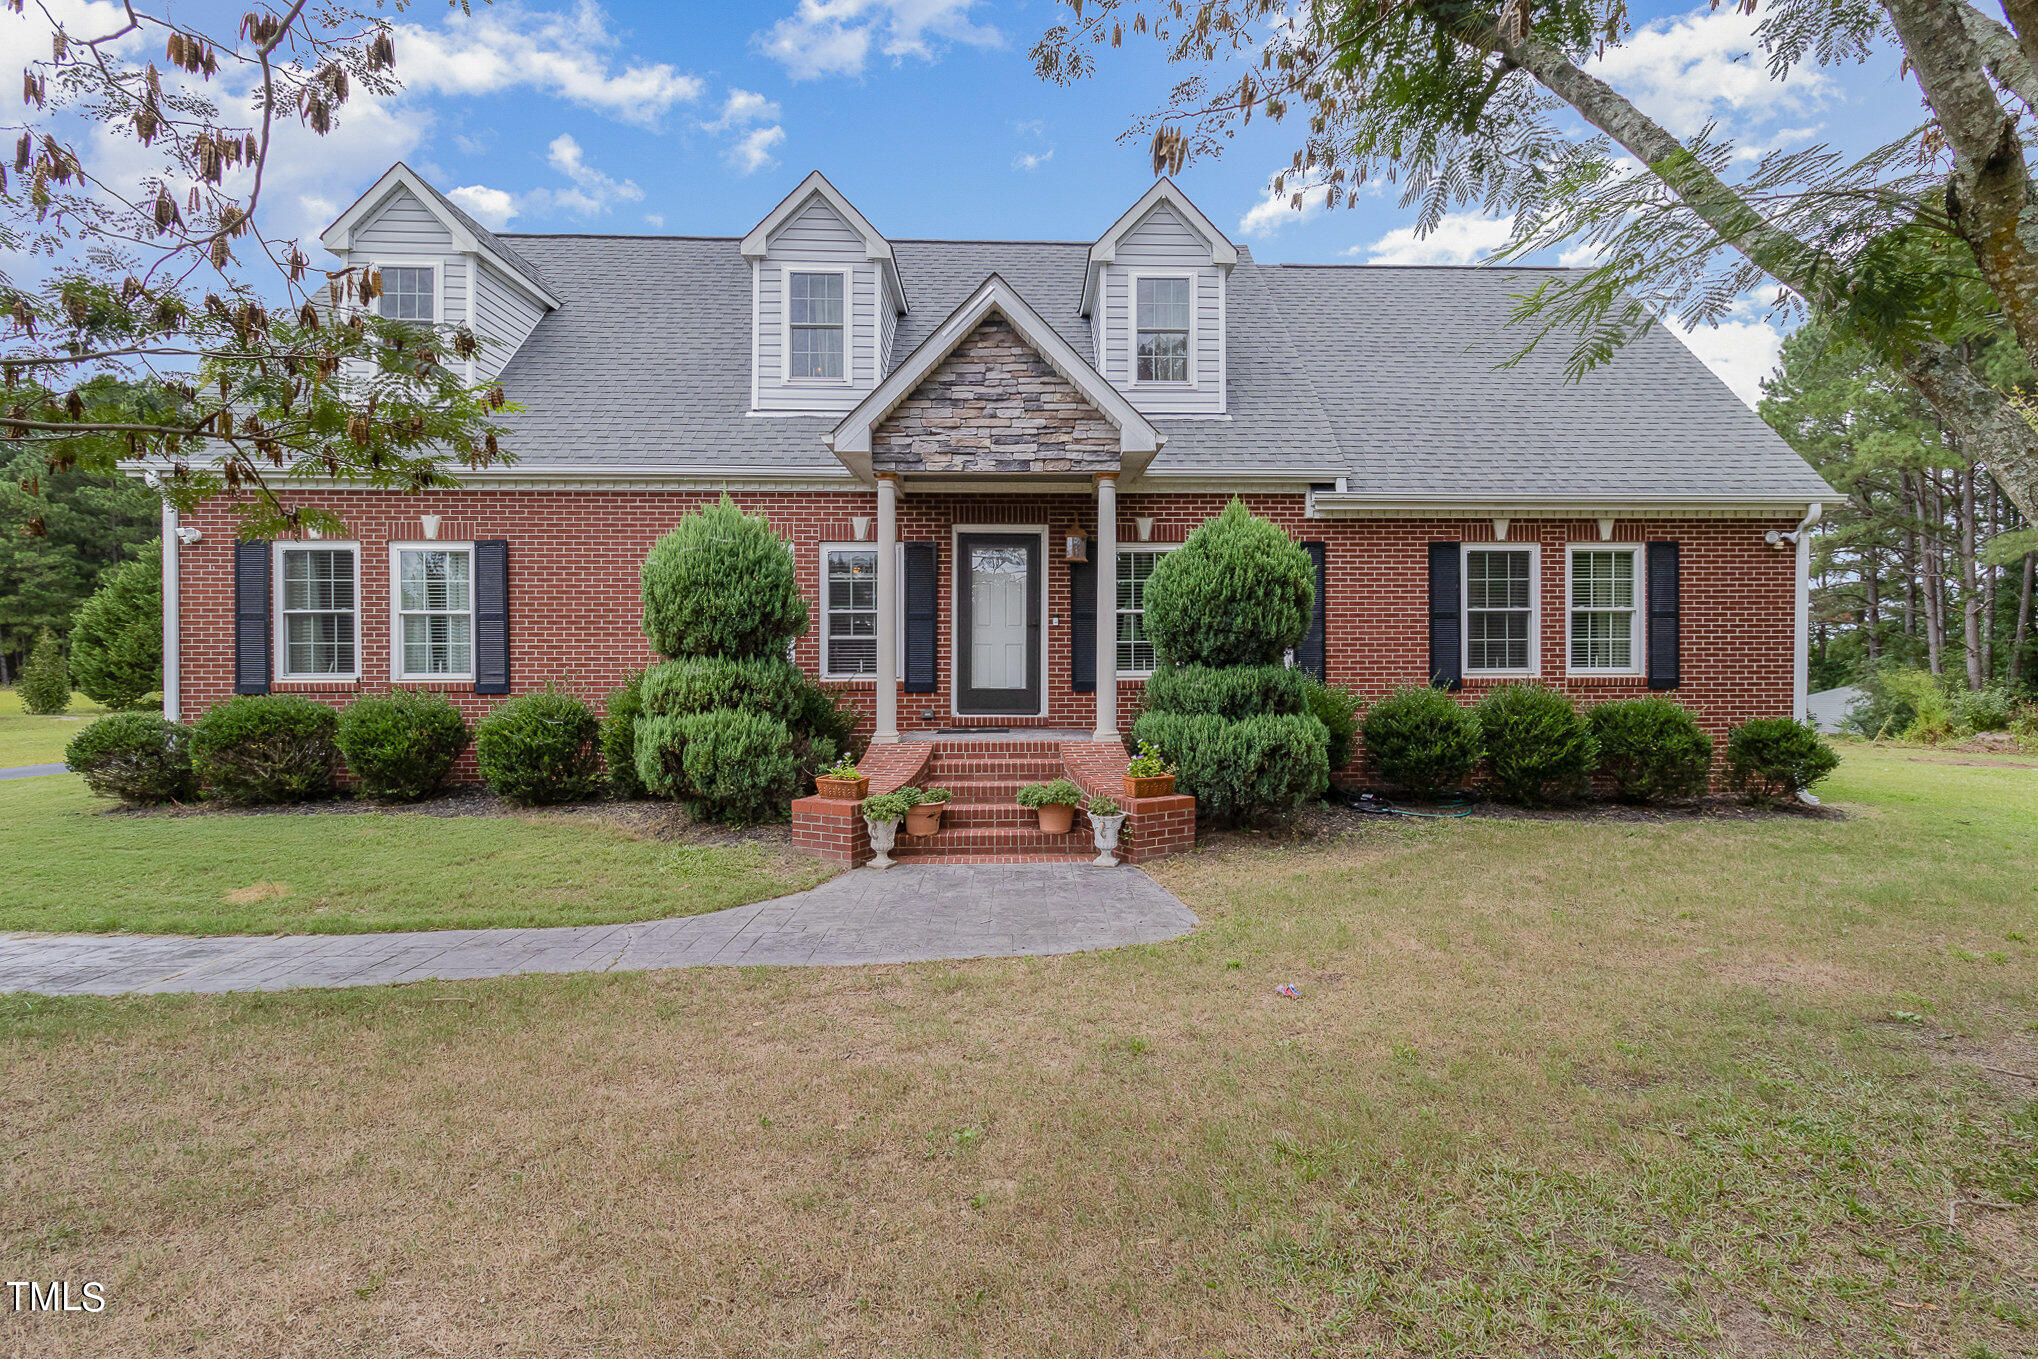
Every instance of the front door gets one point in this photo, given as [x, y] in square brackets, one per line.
[997, 592]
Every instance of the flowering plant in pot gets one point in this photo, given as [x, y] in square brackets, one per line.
[1107, 818]
[1148, 774]
[1055, 803]
[881, 817]
[925, 817]
[842, 779]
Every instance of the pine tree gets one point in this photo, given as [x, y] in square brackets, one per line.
[117, 638]
[46, 680]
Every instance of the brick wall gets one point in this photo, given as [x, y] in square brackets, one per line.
[574, 594]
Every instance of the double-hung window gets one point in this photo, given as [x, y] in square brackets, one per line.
[434, 620]
[1500, 610]
[1135, 650]
[408, 293]
[848, 611]
[318, 618]
[1605, 585]
[814, 313]
[1162, 350]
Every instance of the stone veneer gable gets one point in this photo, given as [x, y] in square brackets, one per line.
[995, 405]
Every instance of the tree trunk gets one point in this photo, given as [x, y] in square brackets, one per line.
[1970, 580]
[2023, 621]
[1871, 611]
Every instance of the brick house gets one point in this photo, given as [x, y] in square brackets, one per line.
[977, 450]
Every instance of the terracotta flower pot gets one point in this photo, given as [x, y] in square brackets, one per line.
[1057, 817]
[925, 818]
[1154, 785]
[848, 790]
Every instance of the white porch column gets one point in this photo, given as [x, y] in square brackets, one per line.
[1107, 606]
[887, 733]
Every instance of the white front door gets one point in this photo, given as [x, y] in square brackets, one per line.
[1001, 625]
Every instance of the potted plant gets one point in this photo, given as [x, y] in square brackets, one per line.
[1148, 774]
[881, 816]
[1055, 803]
[925, 818]
[1106, 819]
[843, 780]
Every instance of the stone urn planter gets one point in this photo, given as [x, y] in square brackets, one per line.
[1053, 804]
[925, 818]
[1104, 831]
[847, 790]
[883, 835]
[881, 817]
[1153, 785]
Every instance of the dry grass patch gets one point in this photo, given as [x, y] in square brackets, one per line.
[1549, 1088]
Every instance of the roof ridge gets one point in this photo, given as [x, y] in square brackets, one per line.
[1456, 268]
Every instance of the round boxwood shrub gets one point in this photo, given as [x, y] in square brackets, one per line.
[117, 638]
[1651, 748]
[1422, 740]
[1773, 758]
[1238, 592]
[266, 748]
[721, 584]
[725, 764]
[540, 748]
[1538, 745]
[698, 684]
[1256, 769]
[619, 737]
[1233, 693]
[136, 757]
[46, 679]
[1338, 710]
[401, 745]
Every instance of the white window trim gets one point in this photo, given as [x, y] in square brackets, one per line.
[396, 612]
[785, 325]
[1535, 556]
[1636, 637]
[281, 633]
[1124, 548]
[437, 264]
[1132, 278]
[821, 594]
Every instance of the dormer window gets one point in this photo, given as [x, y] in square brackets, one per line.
[409, 293]
[1163, 343]
[815, 316]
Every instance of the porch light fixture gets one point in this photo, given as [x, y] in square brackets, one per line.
[1078, 545]
[1144, 524]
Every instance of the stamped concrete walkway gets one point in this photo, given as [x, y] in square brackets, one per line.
[908, 914]
[30, 771]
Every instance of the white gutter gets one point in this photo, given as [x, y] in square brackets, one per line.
[1457, 505]
[1801, 650]
[173, 670]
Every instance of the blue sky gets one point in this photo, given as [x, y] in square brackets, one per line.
[629, 116]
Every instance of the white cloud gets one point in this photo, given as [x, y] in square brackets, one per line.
[655, 220]
[753, 151]
[592, 191]
[469, 145]
[1278, 210]
[1704, 66]
[1460, 238]
[742, 108]
[1029, 160]
[1741, 350]
[572, 55]
[835, 37]
[493, 208]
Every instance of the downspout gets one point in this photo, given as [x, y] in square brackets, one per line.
[1800, 661]
[173, 689]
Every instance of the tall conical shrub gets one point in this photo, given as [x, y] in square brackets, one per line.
[117, 638]
[1237, 592]
[46, 680]
[722, 584]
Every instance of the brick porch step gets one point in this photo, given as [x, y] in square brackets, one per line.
[997, 841]
[989, 813]
[939, 770]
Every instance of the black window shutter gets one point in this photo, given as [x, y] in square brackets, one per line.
[491, 617]
[1446, 634]
[922, 585]
[1083, 627]
[254, 630]
[1663, 620]
[1310, 655]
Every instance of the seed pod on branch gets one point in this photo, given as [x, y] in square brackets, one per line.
[307, 316]
[74, 406]
[33, 88]
[357, 429]
[146, 123]
[23, 149]
[166, 210]
[221, 256]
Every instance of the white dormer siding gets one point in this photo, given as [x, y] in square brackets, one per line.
[403, 231]
[504, 316]
[1163, 245]
[817, 240]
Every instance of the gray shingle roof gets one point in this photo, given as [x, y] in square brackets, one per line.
[648, 364]
[485, 236]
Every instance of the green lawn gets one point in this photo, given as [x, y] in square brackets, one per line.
[1681, 1087]
[28, 739]
[72, 865]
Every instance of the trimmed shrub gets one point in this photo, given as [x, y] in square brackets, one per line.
[136, 757]
[1537, 744]
[1259, 768]
[619, 737]
[1238, 592]
[401, 745]
[540, 748]
[1773, 758]
[1651, 748]
[728, 764]
[266, 748]
[722, 584]
[698, 684]
[1240, 691]
[1422, 740]
[1338, 710]
[46, 679]
[117, 638]
[828, 714]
